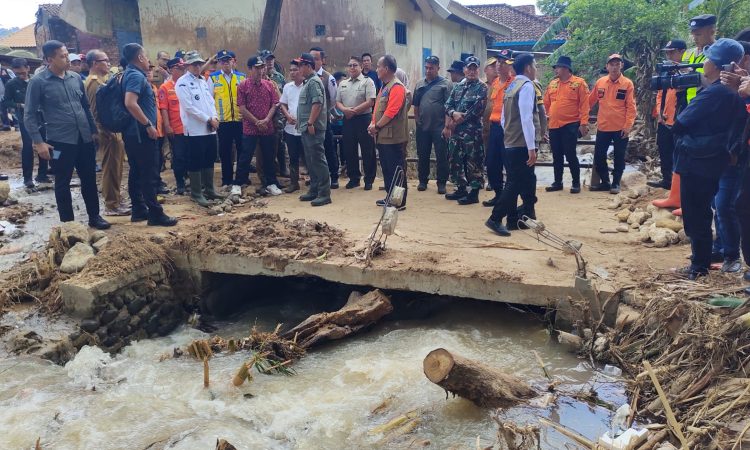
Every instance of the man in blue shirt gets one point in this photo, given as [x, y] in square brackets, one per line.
[705, 129]
[140, 140]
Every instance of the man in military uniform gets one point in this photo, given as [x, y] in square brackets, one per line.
[464, 108]
[311, 123]
[456, 71]
[273, 74]
[279, 121]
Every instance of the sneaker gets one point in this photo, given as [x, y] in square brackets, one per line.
[334, 184]
[368, 186]
[422, 187]
[29, 184]
[731, 266]
[236, 190]
[273, 189]
[614, 189]
[380, 203]
[119, 211]
[600, 188]
[352, 184]
[497, 227]
[689, 273]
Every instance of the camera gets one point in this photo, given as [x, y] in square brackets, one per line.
[670, 77]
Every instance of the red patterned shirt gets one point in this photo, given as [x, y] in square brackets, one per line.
[258, 99]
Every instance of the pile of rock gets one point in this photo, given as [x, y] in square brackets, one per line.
[231, 202]
[653, 225]
[82, 245]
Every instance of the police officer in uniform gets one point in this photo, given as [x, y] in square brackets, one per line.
[464, 108]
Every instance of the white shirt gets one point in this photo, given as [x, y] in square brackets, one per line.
[196, 104]
[290, 97]
[332, 87]
[526, 102]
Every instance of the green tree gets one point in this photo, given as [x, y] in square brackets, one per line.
[554, 8]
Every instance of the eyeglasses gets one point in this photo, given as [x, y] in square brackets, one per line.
[103, 60]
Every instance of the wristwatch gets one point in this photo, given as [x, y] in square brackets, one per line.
[148, 124]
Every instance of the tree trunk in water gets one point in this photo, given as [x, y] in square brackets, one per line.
[475, 381]
[360, 312]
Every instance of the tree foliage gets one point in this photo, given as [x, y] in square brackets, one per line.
[553, 8]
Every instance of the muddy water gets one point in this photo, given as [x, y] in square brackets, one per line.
[132, 401]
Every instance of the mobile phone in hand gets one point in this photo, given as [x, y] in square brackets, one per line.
[55, 153]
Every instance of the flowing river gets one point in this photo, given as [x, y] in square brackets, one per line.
[134, 401]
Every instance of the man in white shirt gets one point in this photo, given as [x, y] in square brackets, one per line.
[200, 122]
[329, 82]
[293, 138]
[520, 120]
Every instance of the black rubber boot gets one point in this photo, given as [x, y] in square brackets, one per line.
[471, 198]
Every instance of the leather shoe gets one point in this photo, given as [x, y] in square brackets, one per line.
[575, 189]
[441, 188]
[308, 197]
[661, 184]
[99, 223]
[163, 221]
[334, 184]
[614, 189]
[320, 201]
[139, 217]
[497, 227]
[600, 188]
[554, 187]
[352, 184]
[491, 202]
[368, 186]
[422, 187]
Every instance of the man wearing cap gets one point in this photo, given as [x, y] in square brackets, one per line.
[465, 149]
[288, 104]
[706, 129]
[703, 32]
[257, 100]
[567, 103]
[110, 144]
[76, 63]
[279, 120]
[311, 123]
[496, 146]
[200, 122]
[456, 71]
[225, 82]
[329, 82]
[521, 125]
[355, 98]
[271, 72]
[616, 97]
[169, 108]
[430, 95]
[490, 75]
[665, 112]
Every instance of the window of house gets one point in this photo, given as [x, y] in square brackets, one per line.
[320, 30]
[201, 33]
[400, 33]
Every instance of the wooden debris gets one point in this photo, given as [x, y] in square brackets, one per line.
[242, 374]
[568, 433]
[475, 381]
[205, 372]
[671, 420]
[222, 444]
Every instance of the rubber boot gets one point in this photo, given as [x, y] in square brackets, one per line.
[196, 192]
[471, 198]
[673, 200]
[294, 180]
[207, 176]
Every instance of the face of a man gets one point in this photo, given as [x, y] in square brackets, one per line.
[354, 68]
[381, 69]
[270, 64]
[366, 64]
[490, 72]
[75, 66]
[318, 59]
[294, 73]
[471, 72]
[674, 55]
[531, 70]
[562, 73]
[703, 36]
[142, 61]
[195, 68]
[22, 72]
[456, 76]
[227, 65]
[162, 59]
[504, 70]
[177, 72]
[614, 68]
[257, 72]
[305, 70]
[59, 61]
[431, 71]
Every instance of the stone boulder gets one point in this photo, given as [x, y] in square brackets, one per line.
[74, 232]
[4, 191]
[633, 179]
[662, 237]
[76, 258]
[96, 236]
[100, 244]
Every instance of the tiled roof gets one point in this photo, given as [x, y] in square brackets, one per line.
[53, 9]
[526, 25]
[23, 38]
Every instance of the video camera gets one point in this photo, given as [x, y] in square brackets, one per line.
[670, 78]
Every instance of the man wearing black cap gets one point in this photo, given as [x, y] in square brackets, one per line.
[706, 129]
[430, 95]
[329, 82]
[703, 31]
[464, 108]
[567, 103]
[312, 122]
[666, 104]
[225, 83]
[456, 71]
[496, 146]
[271, 72]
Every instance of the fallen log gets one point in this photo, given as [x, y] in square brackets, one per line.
[359, 312]
[475, 381]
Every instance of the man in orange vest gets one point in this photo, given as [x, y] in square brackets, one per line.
[495, 147]
[169, 108]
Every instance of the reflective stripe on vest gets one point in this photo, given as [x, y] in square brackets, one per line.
[225, 96]
[691, 58]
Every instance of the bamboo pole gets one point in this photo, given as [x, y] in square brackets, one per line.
[671, 420]
[569, 433]
[205, 372]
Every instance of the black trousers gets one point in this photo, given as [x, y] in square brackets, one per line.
[268, 149]
[494, 158]
[230, 133]
[603, 140]
[82, 158]
[665, 142]
[426, 140]
[27, 156]
[521, 181]
[743, 214]
[178, 143]
[355, 137]
[391, 157]
[697, 192]
[332, 155]
[143, 176]
[201, 152]
[563, 142]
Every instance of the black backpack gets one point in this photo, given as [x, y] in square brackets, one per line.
[110, 106]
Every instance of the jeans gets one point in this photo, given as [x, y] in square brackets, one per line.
[603, 139]
[27, 157]
[426, 140]
[697, 193]
[494, 160]
[268, 152]
[201, 152]
[332, 157]
[229, 133]
[317, 165]
[563, 143]
[521, 182]
[356, 138]
[294, 145]
[665, 142]
[179, 157]
[743, 213]
[82, 157]
[143, 158]
[393, 156]
[727, 240]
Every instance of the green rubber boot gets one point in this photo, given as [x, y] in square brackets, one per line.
[207, 176]
[196, 193]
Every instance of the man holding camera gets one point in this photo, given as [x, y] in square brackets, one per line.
[712, 121]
